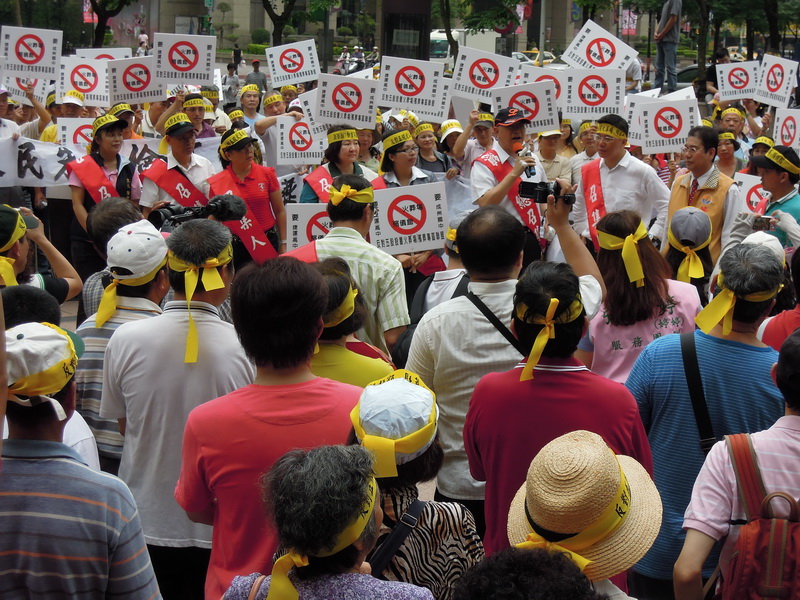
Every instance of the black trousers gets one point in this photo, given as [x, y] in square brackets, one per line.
[181, 572]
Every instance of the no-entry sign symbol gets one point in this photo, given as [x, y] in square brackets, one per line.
[104, 56]
[291, 60]
[593, 90]
[136, 78]
[83, 78]
[555, 81]
[317, 227]
[754, 196]
[484, 73]
[82, 135]
[29, 49]
[406, 214]
[668, 122]
[738, 78]
[601, 52]
[409, 81]
[775, 78]
[300, 137]
[346, 97]
[183, 56]
[788, 131]
[527, 102]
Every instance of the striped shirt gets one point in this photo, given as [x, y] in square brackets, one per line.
[378, 275]
[89, 375]
[67, 531]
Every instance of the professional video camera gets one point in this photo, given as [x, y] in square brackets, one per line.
[226, 207]
[539, 191]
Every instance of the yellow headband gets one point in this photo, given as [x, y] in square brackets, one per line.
[81, 97]
[102, 121]
[235, 114]
[194, 102]
[271, 99]
[780, 160]
[706, 123]
[423, 127]
[281, 588]
[385, 449]
[732, 110]
[175, 119]
[727, 135]
[566, 122]
[767, 141]
[51, 98]
[119, 108]
[413, 119]
[288, 88]
[365, 196]
[7, 274]
[52, 379]
[609, 520]
[485, 117]
[691, 267]
[401, 137]
[584, 126]
[233, 140]
[108, 303]
[721, 307]
[344, 310]
[212, 280]
[610, 130]
[19, 230]
[548, 332]
[210, 94]
[451, 234]
[342, 135]
[630, 251]
[250, 87]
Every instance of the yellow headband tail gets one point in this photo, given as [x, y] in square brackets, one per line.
[7, 271]
[344, 310]
[365, 196]
[630, 251]
[691, 267]
[721, 307]
[548, 332]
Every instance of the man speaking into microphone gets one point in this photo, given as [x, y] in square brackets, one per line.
[497, 174]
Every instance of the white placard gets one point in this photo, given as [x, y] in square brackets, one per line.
[308, 102]
[75, 133]
[2, 67]
[787, 125]
[596, 48]
[750, 189]
[536, 100]
[133, 80]
[737, 80]
[306, 223]
[16, 88]
[477, 72]
[104, 53]
[686, 93]
[346, 100]
[293, 63]
[296, 144]
[531, 74]
[633, 115]
[410, 219]
[87, 76]
[416, 85]
[667, 124]
[592, 93]
[34, 53]
[776, 80]
[184, 58]
[362, 74]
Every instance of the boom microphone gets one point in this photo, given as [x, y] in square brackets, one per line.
[226, 207]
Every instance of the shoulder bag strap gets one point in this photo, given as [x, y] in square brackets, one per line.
[462, 289]
[692, 370]
[496, 322]
[416, 311]
[748, 475]
[255, 587]
[383, 555]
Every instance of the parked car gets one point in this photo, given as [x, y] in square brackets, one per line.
[533, 55]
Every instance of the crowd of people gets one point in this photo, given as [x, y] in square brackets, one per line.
[234, 419]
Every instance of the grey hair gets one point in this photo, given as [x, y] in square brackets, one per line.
[313, 495]
[195, 242]
[747, 269]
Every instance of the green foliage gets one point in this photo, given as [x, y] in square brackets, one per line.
[260, 36]
[256, 49]
[224, 7]
[288, 30]
[344, 31]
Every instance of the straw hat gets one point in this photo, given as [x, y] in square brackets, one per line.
[570, 484]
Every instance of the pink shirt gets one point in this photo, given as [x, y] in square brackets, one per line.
[136, 183]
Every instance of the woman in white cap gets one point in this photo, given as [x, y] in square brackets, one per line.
[601, 509]
[396, 418]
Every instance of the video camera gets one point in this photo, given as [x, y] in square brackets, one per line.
[539, 191]
[225, 207]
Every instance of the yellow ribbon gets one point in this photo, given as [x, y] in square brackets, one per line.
[422, 128]
[630, 251]
[727, 135]
[610, 130]
[108, 303]
[344, 310]
[234, 139]
[451, 234]
[609, 520]
[763, 139]
[706, 123]
[280, 586]
[780, 160]
[691, 267]
[342, 135]
[250, 87]
[7, 273]
[548, 332]
[273, 98]
[235, 114]
[365, 196]
[397, 139]
[52, 379]
[212, 280]
[721, 307]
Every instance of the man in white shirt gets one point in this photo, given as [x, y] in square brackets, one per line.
[477, 138]
[7, 126]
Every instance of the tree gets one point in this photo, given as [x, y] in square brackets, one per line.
[279, 20]
[105, 9]
[476, 16]
[590, 7]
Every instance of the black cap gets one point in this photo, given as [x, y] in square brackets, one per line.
[766, 162]
[509, 116]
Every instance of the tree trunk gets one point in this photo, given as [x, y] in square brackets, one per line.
[100, 30]
[702, 44]
[717, 28]
[445, 12]
[771, 12]
[750, 40]
[17, 14]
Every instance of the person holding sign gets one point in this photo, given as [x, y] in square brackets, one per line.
[779, 176]
[70, 108]
[617, 181]
[249, 97]
[133, 118]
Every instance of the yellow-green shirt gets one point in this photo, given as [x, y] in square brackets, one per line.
[340, 364]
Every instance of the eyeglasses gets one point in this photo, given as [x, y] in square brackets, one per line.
[691, 149]
[604, 138]
[411, 150]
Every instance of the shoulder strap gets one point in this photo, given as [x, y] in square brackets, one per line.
[496, 322]
[386, 551]
[462, 289]
[416, 311]
[748, 475]
[692, 370]
[255, 587]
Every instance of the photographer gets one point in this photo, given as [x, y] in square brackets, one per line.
[497, 175]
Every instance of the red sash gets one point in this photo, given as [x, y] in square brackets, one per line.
[525, 207]
[249, 230]
[320, 179]
[761, 207]
[306, 253]
[93, 179]
[175, 183]
[593, 196]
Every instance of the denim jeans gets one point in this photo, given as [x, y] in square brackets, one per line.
[667, 59]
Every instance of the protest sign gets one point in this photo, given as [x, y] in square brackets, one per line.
[104, 53]
[293, 63]
[308, 102]
[633, 115]
[33, 53]
[296, 145]
[785, 131]
[87, 76]
[185, 59]
[750, 189]
[415, 85]
[736, 81]
[477, 72]
[132, 80]
[666, 125]
[592, 93]
[16, 87]
[536, 100]
[410, 219]
[346, 100]
[306, 223]
[291, 186]
[776, 80]
[75, 133]
[596, 48]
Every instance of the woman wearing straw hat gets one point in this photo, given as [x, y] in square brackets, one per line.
[601, 509]
[396, 418]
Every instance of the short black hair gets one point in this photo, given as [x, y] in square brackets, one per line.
[231, 65]
[347, 209]
[28, 304]
[490, 241]
[107, 217]
[332, 151]
[708, 136]
[720, 53]
[386, 164]
[787, 373]
[616, 121]
[336, 273]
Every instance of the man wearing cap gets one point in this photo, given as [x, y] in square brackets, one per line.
[156, 371]
[734, 371]
[181, 179]
[7, 126]
[555, 165]
[193, 106]
[135, 285]
[256, 77]
[586, 133]
[73, 529]
[498, 173]
[132, 118]
[780, 173]
[475, 139]
[759, 148]
[617, 181]
[706, 188]
[230, 442]
[70, 108]
[221, 122]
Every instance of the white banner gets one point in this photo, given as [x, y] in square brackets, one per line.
[750, 189]
[737, 80]
[306, 223]
[536, 100]
[592, 93]
[666, 125]
[184, 58]
[34, 53]
[776, 80]
[346, 100]
[477, 72]
[132, 80]
[293, 63]
[416, 85]
[104, 53]
[291, 186]
[87, 76]
[296, 144]
[410, 219]
[787, 124]
[596, 48]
